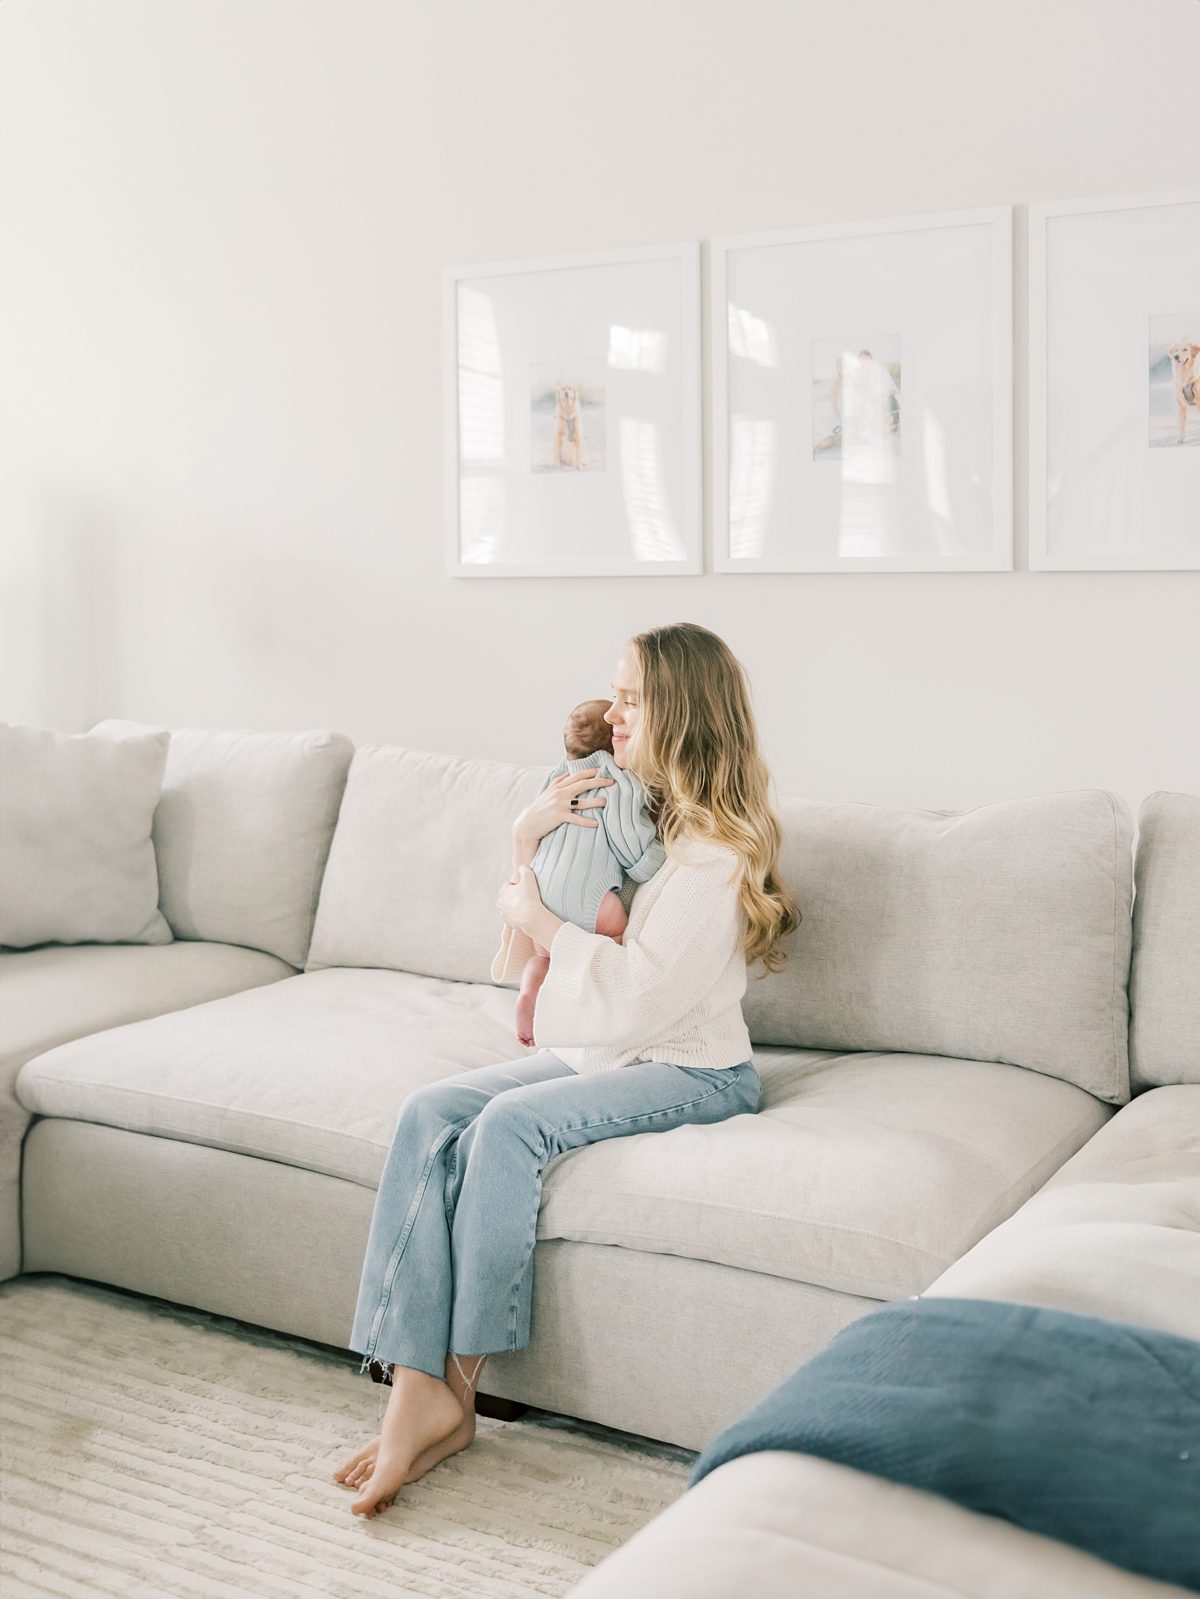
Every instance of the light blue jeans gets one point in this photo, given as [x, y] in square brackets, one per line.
[449, 1259]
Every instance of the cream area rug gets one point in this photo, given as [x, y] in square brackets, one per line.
[149, 1449]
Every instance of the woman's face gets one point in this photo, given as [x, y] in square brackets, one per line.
[622, 714]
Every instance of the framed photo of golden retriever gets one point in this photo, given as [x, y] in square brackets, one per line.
[572, 415]
[1114, 383]
[862, 396]
[1174, 378]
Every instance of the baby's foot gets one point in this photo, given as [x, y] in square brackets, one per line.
[526, 1004]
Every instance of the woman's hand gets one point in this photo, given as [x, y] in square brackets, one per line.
[519, 899]
[553, 806]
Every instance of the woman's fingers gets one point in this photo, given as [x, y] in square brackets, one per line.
[581, 779]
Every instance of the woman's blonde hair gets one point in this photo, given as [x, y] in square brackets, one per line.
[697, 753]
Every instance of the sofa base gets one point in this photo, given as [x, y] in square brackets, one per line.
[660, 1345]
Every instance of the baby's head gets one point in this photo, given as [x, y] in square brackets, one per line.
[587, 731]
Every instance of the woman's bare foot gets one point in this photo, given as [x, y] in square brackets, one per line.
[462, 1436]
[359, 1467]
[421, 1412]
[462, 1382]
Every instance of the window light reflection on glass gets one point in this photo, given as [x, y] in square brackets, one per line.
[652, 530]
[637, 349]
[751, 481]
[868, 520]
[480, 428]
[481, 388]
[751, 337]
[937, 489]
[481, 516]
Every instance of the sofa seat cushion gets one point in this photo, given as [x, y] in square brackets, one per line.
[1115, 1232]
[58, 992]
[311, 1072]
[866, 1174]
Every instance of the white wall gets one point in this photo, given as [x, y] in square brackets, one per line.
[224, 227]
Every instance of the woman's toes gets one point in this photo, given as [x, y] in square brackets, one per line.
[352, 1463]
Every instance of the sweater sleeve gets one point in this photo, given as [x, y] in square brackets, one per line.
[516, 947]
[601, 993]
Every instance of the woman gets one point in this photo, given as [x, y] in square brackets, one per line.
[640, 1036]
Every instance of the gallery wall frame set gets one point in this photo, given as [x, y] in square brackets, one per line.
[861, 399]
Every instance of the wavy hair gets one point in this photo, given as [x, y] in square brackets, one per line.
[697, 753]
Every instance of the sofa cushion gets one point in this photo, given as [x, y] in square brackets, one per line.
[65, 991]
[995, 934]
[1164, 978]
[867, 1174]
[312, 1071]
[1068, 1425]
[423, 843]
[778, 1525]
[242, 833]
[1115, 1232]
[61, 992]
[77, 860]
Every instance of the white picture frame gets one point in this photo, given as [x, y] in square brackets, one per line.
[1111, 487]
[850, 492]
[572, 415]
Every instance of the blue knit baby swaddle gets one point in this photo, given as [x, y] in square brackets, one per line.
[576, 866]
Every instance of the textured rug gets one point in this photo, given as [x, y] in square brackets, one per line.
[148, 1449]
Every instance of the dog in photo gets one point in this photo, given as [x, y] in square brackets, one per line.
[1185, 373]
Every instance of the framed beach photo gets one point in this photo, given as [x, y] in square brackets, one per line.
[1114, 383]
[572, 415]
[862, 396]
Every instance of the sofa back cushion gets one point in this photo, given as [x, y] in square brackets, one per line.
[1164, 993]
[77, 863]
[1000, 933]
[242, 832]
[422, 845]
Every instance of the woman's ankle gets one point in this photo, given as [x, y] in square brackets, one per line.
[462, 1375]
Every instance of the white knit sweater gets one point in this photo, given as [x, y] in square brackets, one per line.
[670, 991]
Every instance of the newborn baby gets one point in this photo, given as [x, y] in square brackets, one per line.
[579, 869]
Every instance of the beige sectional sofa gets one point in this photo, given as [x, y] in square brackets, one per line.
[205, 1119]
